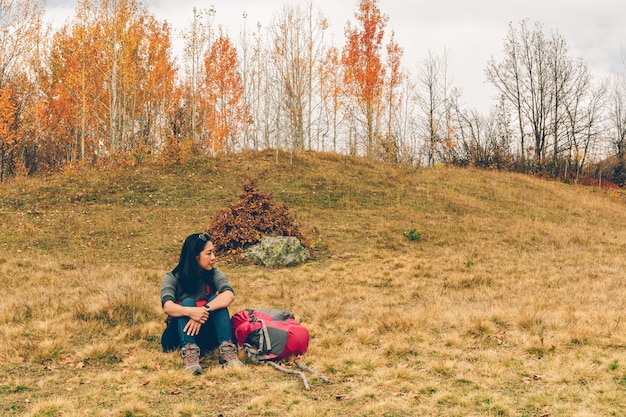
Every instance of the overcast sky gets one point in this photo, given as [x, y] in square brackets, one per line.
[471, 31]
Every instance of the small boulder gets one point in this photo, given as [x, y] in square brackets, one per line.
[278, 252]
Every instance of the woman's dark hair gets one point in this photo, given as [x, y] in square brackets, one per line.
[187, 268]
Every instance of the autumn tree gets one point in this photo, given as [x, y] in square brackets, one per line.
[20, 29]
[21, 47]
[222, 92]
[246, 79]
[110, 82]
[197, 42]
[407, 124]
[8, 132]
[297, 50]
[332, 99]
[261, 95]
[69, 89]
[364, 74]
[390, 145]
[157, 85]
[60, 104]
[136, 56]
[316, 49]
[288, 55]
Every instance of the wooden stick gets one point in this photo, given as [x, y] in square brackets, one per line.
[311, 370]
[290, 371]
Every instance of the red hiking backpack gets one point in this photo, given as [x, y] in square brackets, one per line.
[268, 335]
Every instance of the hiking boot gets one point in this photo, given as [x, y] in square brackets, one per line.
[228, 355]
[191, 358]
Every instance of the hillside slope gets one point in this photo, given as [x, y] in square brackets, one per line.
[510, 304]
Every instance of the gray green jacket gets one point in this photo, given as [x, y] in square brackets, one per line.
[171, 290]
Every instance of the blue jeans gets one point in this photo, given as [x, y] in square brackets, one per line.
[212, 333]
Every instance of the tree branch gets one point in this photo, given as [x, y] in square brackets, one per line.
[291, 371]
[302, 366]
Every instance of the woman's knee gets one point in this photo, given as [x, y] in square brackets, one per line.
[221, 314]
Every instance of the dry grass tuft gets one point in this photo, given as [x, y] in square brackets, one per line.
[509, 304]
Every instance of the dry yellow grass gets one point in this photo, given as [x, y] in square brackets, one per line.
[511, 304]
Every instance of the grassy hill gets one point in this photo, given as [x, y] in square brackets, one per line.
[511, 303]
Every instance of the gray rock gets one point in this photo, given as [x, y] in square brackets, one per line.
[277, 252]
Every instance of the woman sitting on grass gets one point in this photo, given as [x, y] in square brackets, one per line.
[195, 296]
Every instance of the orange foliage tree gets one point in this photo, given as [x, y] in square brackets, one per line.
[62, 111]
[21, 44]
[364, 74]
[223, 91]
[8, 135]
[110, 82]
[390, 146]
[332, 100]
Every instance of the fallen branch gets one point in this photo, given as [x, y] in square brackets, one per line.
[311, 370]
[291, 371]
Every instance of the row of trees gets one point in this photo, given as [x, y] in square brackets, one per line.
[107, 84]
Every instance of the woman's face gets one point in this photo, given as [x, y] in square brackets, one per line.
[206, 258]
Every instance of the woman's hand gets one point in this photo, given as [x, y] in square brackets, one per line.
[199, 314]
[192, 328]
[197, 317]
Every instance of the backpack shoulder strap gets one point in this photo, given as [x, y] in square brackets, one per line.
[265, 344]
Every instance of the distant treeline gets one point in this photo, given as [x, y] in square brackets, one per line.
[107, 85]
